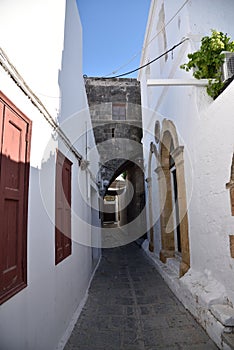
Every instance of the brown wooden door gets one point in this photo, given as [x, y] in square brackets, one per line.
[13, 201]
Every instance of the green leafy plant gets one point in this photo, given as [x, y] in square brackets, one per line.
[207, 61]
[124, 175]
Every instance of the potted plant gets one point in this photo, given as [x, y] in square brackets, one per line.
[207, 61]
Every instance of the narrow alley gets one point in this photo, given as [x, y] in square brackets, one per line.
[93, 164]
[130, 307]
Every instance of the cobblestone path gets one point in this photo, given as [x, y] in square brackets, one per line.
[130, 307]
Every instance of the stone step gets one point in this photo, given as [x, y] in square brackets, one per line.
[224, 314]
[228, 339]
[174, 265]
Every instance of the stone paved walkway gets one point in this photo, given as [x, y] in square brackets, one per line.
[131, 308]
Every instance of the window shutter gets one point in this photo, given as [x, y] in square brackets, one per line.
[62, 208]
[14, 170]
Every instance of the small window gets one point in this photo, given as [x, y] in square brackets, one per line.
[118, 111]
[62, 208]
[15, 136]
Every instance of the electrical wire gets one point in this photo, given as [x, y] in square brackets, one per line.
[19, 81]
[154, 37]
[48, 96]
[147, 64]
[164, 27]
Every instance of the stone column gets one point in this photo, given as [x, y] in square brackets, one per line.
[177, 155]
[167, 237]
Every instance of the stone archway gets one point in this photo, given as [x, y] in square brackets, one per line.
[171, 154]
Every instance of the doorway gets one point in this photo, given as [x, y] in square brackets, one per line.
[175, 206]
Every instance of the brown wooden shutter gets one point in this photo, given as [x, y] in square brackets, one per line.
[13, 200]
[67, 206]
[62, 208]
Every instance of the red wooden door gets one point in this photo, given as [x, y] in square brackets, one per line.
[13, 201]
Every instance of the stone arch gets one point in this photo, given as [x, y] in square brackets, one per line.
[169, 132]
[171, 157]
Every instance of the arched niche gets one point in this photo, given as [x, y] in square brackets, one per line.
[173, 203]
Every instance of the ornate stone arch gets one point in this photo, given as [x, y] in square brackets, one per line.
[168, 133]
[171, 153]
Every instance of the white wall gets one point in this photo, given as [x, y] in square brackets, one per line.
[205, 129]
[210, 219]
[31, 34]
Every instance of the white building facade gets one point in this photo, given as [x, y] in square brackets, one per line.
[188, 151]
[50, 228]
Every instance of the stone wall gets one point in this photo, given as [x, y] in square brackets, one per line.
[115, 107]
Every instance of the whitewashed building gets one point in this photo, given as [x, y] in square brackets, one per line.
[188, 151]
[48, 168]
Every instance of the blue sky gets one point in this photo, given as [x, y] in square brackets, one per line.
[113, 32]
